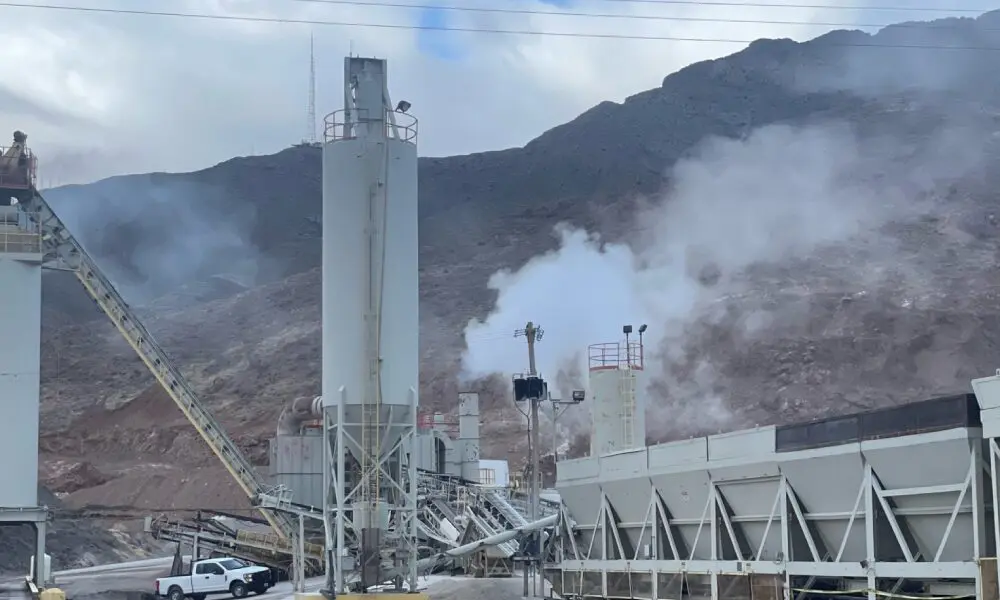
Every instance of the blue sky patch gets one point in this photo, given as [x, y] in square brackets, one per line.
[439, 44]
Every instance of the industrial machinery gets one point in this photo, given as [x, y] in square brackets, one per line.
[21, 257]
[442, 450]
[899, 502]
[374, 459]
[58, 248]
[32, 236]
[370, 331]
[17, 170]
[617, 379]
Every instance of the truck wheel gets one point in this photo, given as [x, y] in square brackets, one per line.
[238, 590]
[175, 593]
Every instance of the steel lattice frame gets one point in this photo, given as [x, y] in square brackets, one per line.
[342, 537]
[734, 552]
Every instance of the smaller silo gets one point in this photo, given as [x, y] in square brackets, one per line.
[617, 386]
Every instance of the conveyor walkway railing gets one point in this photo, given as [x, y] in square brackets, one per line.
[254, 547]
[489, 526]
[511, 514]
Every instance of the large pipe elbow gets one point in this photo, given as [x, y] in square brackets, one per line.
[297, 411]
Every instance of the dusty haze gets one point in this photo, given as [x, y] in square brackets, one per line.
[158, 233]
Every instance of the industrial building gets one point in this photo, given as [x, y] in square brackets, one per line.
[900, 502]
[443, 447]
[20, 354]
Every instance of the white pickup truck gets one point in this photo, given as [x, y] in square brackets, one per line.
[216, 576]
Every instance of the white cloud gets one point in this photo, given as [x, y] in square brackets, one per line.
[134, 93]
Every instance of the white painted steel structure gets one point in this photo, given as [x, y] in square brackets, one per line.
[468, 434]
[762, 514]
[20, 367]
[617, 392]
[370, 328]
[296, 460]
[20, 358]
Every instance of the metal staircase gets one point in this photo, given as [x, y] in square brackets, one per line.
[498, 501]
[439, 515]
[61, 250]
[447, 523]
[488, 525]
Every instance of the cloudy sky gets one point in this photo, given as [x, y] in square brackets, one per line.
[102, 94]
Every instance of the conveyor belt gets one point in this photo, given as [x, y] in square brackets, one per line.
[61, 249]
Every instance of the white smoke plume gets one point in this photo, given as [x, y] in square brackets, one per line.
[779, 194]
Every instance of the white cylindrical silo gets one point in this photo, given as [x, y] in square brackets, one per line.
[370, 276]
[345, 269]
[617, 397]
[604, 407]
[400, 345]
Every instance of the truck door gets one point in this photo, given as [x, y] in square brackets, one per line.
[208, 578]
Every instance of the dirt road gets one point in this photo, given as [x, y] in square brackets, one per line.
[134, 581]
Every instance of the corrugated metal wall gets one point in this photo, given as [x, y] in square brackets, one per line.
[297, 462]
[20, 357]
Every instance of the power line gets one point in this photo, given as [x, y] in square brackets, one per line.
[934, 9]
[606, 15]
[570, 34]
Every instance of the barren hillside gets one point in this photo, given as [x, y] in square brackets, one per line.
[901, 311]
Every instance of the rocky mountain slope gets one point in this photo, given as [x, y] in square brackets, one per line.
[223, 262]
[71, 542]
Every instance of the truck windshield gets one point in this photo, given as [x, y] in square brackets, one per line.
[231, 564]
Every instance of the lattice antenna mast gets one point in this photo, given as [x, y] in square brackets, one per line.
[311, 109]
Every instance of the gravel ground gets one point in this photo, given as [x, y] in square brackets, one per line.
[477, 589]
[116, 596]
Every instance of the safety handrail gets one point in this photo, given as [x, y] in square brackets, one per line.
[616, 355]
[510, 513]
[344, 124]
[20, 242]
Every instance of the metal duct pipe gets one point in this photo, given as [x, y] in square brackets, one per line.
[298, 410]
[9, 215]
[426, 564]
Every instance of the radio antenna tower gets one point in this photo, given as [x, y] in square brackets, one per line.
[311, 109]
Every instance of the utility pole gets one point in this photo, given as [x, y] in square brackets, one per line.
[533, 333]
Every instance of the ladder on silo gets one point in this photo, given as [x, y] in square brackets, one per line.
[626, 395]
[61, 250]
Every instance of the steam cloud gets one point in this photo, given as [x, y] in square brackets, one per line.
[780, 194]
